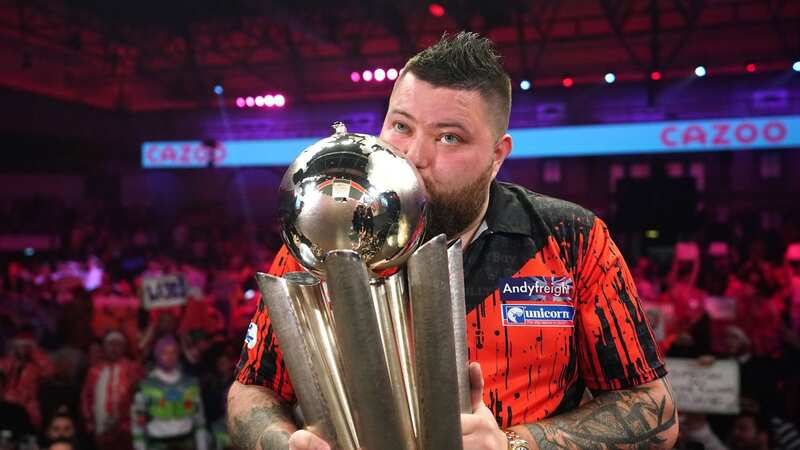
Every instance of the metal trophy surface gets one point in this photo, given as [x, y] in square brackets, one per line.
[373, 335]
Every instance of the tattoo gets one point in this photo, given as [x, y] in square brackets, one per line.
[632, 418]
[275, 439]
[254, 429]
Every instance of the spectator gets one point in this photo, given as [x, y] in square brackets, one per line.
[108, 392]
[792, 270]
[750, 432]
[784, 435]
[14, 421]
[791, 332]
[62, 390]
[695, 430]
[163, 322]
[759, 311]
[718, 269]
[168, 408]
[61, 445]
[25, 367]
[646, 281]
[215, 386]
[689, 331]
[759, 376]
[61, 427]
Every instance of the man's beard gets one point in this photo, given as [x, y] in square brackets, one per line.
[452, 212]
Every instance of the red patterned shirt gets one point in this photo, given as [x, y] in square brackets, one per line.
[551, 310]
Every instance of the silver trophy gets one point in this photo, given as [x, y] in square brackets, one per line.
[374, 334]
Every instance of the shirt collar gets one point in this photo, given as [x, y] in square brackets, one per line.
[483, 227]
[506, 212]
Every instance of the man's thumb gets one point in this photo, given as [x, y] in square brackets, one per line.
[306, 440]
[476, 386]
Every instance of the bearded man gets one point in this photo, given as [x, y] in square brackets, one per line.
[448, 114]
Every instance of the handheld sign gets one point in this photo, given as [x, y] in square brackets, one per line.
[712, 389]
[163, 291]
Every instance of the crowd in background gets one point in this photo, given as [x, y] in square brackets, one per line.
[87, 365]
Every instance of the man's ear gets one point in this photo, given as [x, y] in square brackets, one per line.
[501, 151]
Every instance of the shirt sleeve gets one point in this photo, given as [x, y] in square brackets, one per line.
[261, 362]
[616, 346]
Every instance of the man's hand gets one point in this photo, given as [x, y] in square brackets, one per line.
[306, 440]
[257, 418]
[479, 430]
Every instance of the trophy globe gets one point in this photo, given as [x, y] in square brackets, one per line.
[352, 191]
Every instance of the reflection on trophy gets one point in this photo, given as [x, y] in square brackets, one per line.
[373, 335]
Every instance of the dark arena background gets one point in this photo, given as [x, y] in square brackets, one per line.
[143, 144]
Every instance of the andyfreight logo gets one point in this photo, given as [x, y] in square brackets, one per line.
[556, 289]
[535, 314]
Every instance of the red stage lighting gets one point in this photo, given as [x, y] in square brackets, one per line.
[567, 82]
[355, 77]
[655, 75]
[436, 10]
[240, 102]
[750, 67]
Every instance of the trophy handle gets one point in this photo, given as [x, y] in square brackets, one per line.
[314, 384]
[434, 345]
[455, 262]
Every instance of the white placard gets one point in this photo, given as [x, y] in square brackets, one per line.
[712, 389]
[163, 291]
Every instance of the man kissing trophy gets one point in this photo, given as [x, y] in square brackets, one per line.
[373, 333]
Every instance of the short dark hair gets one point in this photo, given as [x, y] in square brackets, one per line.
[761, 423]
[467, 61]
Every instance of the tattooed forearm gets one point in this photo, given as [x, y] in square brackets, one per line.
[257, 419]
[639, 418]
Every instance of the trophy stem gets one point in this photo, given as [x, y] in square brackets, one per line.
[397, 297]
[379, 421]
[391, 350]
[308, 298]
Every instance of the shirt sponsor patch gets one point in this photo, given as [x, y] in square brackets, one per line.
[543, 288]
[538, 314]
[252, 335]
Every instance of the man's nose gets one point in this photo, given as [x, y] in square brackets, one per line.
[419, 152]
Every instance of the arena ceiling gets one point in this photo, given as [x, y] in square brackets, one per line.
[167, 54]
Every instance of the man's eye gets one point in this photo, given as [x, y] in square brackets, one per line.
[449, 139]
[400, 127]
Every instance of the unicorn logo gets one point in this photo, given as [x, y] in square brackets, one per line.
[515, 314]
